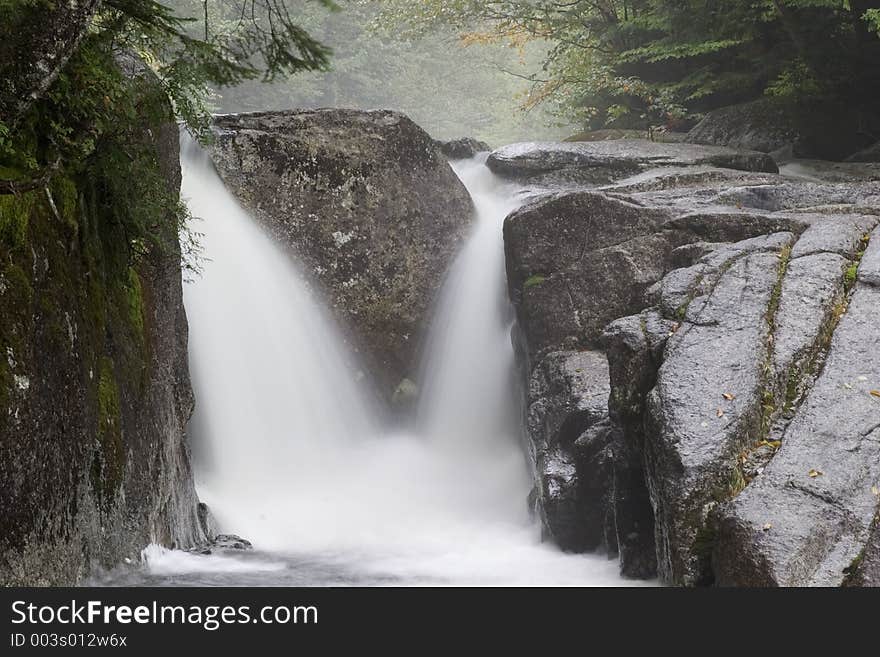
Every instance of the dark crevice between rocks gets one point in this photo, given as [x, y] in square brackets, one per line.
[864, 569]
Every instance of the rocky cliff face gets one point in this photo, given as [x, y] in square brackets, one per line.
[739, 440]
[368, 204]
[94, 385]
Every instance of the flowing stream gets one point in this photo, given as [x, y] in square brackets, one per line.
[291, 453]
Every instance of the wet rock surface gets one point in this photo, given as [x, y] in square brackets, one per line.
[567, 423]
[600, 162]
[734, 311]
[818, 494]
[461, 149]
[224, 542]
[368, 205]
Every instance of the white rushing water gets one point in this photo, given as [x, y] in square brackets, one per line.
[291, 454]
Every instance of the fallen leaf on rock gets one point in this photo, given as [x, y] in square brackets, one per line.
[875, 490]
[719, 413]
[815, 473]
[767, 527]
[875, 393]
[728, 396]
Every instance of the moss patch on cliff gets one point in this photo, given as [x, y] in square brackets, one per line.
[108, 463]
[14, 212]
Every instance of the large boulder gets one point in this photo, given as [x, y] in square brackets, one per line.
[369, 206]
[735, 311]
[760, 125]
[561, 246]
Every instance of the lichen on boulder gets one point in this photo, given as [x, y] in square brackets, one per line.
[368, 206]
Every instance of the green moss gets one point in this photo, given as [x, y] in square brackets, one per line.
[735, 484]
[704, 542]
[66, 196]
[108, 464]
[135, 303]
[11, 173]
[769, 387]
[851, 273]
[792, 388]
[18, 288]
[533, 280]
[776, 296]
[15, 212]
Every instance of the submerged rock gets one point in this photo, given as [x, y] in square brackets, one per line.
[231, 542]
[369, 206]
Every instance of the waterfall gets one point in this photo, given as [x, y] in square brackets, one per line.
[277, 398]
[290, 453]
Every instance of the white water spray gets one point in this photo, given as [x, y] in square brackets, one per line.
[296, 459]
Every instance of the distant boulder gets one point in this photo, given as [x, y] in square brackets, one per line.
[463, 149]
[827, 132]
[869, 154]
[759, 126]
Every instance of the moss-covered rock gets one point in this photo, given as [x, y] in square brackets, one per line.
[94, 386]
